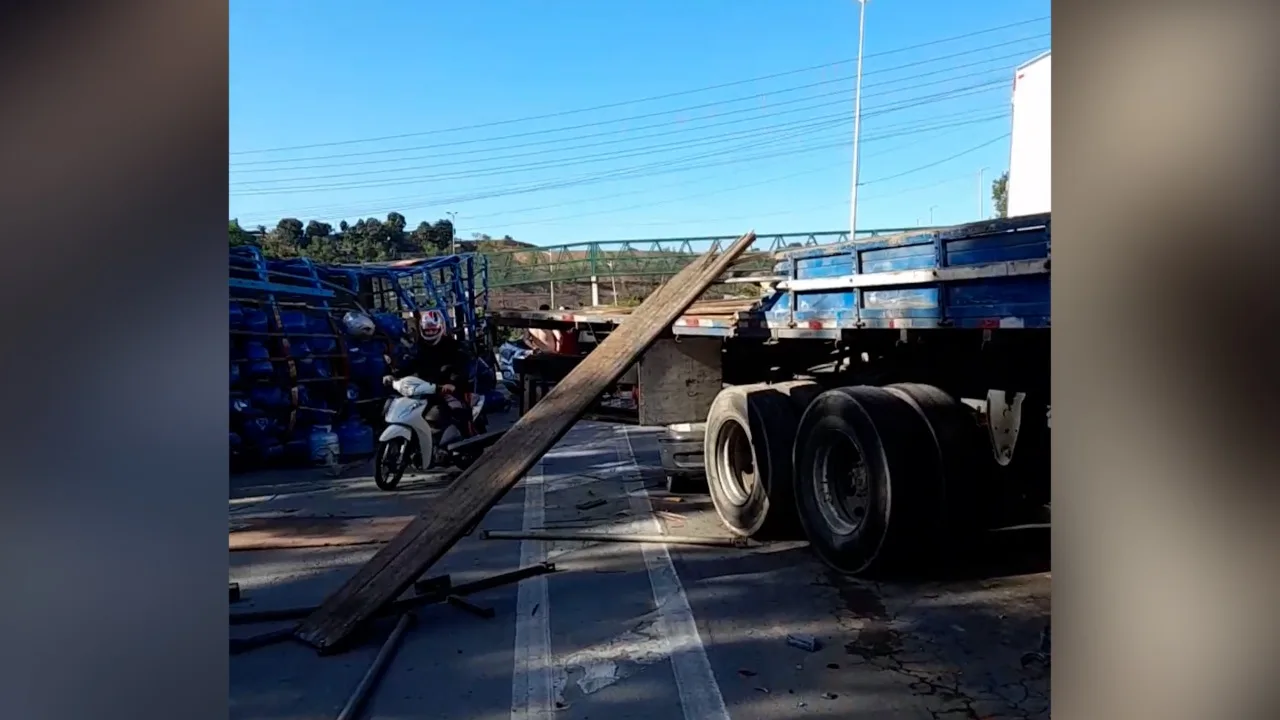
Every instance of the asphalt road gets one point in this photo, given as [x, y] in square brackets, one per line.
[643, 632]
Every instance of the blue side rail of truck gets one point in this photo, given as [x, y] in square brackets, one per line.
[885, 396]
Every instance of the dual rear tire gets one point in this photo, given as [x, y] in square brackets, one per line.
[877, 478]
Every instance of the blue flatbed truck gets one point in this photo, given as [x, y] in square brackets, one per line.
[885, 396]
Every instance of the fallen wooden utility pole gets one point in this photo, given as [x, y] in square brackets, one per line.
[430, 535]
[734, 542]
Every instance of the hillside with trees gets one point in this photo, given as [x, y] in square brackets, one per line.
[366, 240]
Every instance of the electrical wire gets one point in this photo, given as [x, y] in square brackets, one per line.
[935, 122]
[789, 153]
[683, 125]
[914, 102]
[564, 113]
[629, 152]
[735, 188]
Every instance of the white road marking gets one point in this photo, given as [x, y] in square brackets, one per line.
[531, 677]
[695, 681]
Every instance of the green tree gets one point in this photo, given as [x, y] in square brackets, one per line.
[1000, 194]
[240, 236]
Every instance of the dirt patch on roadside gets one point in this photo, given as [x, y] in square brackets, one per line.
[311, 532]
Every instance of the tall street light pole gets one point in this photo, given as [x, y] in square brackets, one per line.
[857, 121]
[982, 205]
[453, 232]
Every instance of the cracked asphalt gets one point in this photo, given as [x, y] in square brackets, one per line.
[614, 647]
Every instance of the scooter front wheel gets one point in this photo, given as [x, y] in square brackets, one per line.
[389, 462]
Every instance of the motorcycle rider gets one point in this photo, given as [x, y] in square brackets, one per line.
[442, 361]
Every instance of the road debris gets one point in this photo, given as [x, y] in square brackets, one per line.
[479, 611]
[673, 518]
[746, 673]
[493, 581]
[253, 642]
[734, 542]
[808, 643]
[829, 696]
[370, 680]
[589, 504]
[431, 534]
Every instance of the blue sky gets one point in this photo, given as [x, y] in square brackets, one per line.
[389, 97]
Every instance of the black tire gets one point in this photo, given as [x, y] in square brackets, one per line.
[867, 480]
[747, 451]
[390, 459]
[965, 493]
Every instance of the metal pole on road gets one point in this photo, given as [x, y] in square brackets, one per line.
[857, 121]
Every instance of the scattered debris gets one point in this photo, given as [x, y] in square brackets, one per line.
[253, 642]
[674, 518]
[426, 539]
[829, 695]
[735, 542]
[808, 643]
[589, 504]
[764, 690]
[436, 584]
[479, 611]
[261, 616]
[746, 673]
[534, 611]
[370, 680]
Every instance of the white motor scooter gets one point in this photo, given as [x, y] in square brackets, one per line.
[409, 439]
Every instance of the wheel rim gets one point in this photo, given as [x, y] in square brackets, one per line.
[735, 462]
[392, 458]
[842, 483]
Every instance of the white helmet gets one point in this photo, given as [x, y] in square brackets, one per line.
[432, 326]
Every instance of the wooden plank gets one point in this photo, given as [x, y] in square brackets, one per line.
[430, 535]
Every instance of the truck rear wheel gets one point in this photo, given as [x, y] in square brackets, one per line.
[964, 492]
[867, 479]
[747, 454]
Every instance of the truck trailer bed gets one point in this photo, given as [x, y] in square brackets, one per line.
[986, 275]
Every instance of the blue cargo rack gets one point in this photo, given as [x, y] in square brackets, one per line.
[985, 275]
[982, 275]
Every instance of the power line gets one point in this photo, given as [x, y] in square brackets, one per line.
[418, 202]
[902, 105]
[752, 184]
[631, 130]
[842, 163]
[935, 164]
[789, 152]
[664, 96]
[693, 142]
[934, 122]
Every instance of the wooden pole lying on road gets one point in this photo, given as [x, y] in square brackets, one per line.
[430, 535]
[736, 542]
